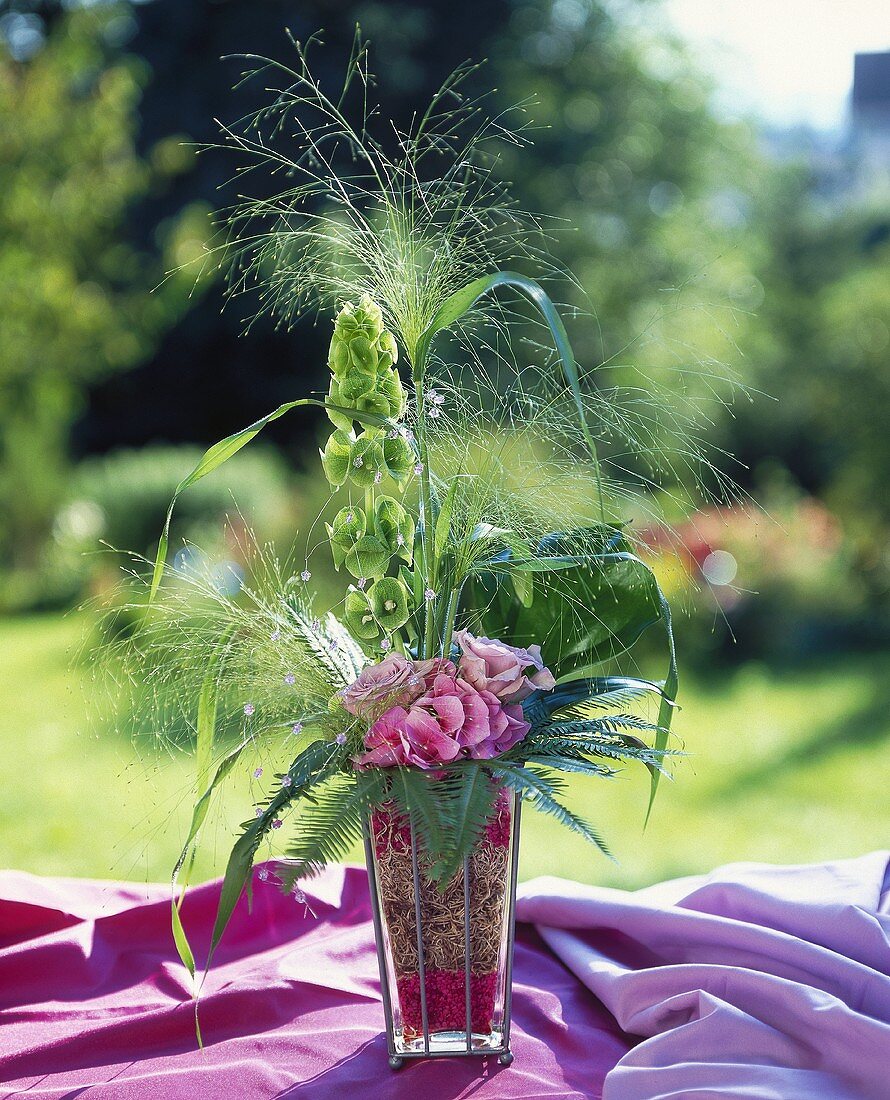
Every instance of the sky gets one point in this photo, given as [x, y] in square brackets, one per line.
[791, 61]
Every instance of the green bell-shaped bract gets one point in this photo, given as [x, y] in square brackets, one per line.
[358, 329]
[337, 456]
[335, 397]
[368, 557]
[387, 346]
[348, 527]
[394, 527]
[388, 598]
[362, 359]
[356, 382]
[366, 460]
[363, 353]
[338, 356]
[374, 402]
[398, 457]
[390, 388]
[359, 617]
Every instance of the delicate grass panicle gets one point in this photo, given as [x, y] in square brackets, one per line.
[481, 480]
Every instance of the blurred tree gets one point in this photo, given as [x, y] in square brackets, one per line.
[77, 299]
[649, 196]
[823, 347]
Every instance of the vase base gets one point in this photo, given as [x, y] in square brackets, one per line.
[453, 1042]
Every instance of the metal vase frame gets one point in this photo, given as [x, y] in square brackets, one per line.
[465, 1046]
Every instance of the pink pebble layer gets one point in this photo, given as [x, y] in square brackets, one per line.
[446, 1001]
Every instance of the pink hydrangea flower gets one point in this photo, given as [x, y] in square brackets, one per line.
[412, 736]
[460, 710]
[426, 714]
[507, 727]
[450, 719]
[490, 665]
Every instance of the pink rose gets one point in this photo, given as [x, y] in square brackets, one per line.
[493, 666]
[391, 681]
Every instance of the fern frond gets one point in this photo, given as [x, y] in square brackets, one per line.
[606, 726]
[540, 787]
[567, 762]
[326, 830]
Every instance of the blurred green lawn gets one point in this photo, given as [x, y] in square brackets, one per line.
[783, 768]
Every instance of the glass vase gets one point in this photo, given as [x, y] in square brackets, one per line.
[445, 954]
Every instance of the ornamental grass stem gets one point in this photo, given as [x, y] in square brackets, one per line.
[427, 515]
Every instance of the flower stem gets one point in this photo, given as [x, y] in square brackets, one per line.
[450, 616]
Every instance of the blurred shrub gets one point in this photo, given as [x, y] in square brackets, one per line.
[121, 499]
[784, 583]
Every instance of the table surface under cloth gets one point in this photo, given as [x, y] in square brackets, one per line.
[753, 981]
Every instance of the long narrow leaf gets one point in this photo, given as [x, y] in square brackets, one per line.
[668, 699]
[199, 815]
[315, 764]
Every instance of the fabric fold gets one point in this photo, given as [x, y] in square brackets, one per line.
[751, 981]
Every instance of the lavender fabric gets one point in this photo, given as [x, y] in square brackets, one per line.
[753, 981]
[750, 982]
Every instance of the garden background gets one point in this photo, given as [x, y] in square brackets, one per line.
[703, 238]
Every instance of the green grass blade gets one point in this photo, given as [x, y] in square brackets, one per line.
[443, 521]
[668, 699]
[204, 729]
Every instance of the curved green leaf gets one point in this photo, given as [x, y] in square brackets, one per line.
[464, 299]
[199, 815]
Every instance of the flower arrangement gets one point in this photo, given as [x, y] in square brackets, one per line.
[480, 486]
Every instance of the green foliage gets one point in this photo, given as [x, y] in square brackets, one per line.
[329, 825]
[313, 767]
[789, 767]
